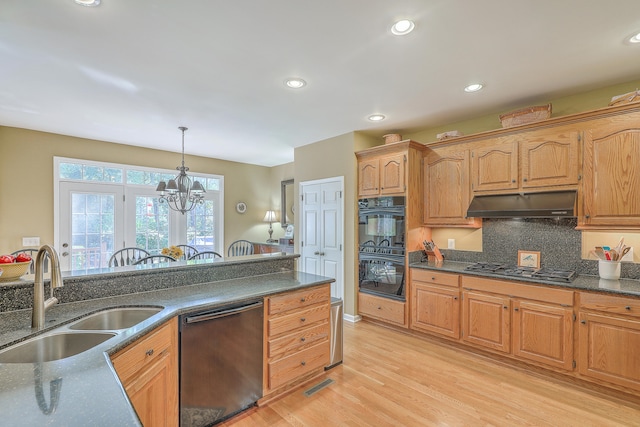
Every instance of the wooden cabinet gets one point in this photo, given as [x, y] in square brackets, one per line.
[447, 188]
[385, 309]
[532, 323]
[528, 161]
[382, 175]
[148, 370]
[435, 302]
[609, 339]
[610, 197]
[296, 337]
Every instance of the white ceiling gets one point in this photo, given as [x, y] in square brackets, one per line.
[132, 71]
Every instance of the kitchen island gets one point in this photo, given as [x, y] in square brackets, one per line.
[84, 389]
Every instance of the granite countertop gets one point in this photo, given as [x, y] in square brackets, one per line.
[629, 287]
[89, 392]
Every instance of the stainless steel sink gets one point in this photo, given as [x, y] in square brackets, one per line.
[47, 348]
[115, 318]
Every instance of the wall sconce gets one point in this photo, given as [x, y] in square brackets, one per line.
[270, 217]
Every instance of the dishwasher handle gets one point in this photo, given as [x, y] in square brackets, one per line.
[222, 313]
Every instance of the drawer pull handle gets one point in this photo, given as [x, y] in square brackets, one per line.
[628, 308]
[516, 309]
[149, 352]
[584, 322]
[302, 319]
[303, 363]
[303, 339]
[379, 308]
[433, 278]
[302, 299]
[505, 307]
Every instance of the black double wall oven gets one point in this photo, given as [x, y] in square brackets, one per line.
[381, 231]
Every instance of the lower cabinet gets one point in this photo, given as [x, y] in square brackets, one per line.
[296, 337]
[385, 309]
[609, 339]
[148, 370]
[528, 322]
[435, 302]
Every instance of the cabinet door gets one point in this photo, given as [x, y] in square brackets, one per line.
[368, 177]
[496, 167]
[446, 189]
[611, 178]
[436, 309]
[543, 333]
[608, 349]
[486, 320]
[549, 159]
[392, 179]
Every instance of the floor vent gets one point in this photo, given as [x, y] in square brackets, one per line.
[318, 387]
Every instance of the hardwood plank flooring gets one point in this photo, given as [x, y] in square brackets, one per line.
[393, 379]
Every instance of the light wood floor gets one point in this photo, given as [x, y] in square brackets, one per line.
[393, 379]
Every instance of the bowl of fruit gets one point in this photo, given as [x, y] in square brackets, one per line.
[14, 267]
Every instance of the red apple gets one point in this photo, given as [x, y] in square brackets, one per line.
[23, 257]
[7, 259]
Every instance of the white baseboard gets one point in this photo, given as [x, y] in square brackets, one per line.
[351, 318]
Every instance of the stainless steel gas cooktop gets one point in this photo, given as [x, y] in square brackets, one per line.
[552, 274]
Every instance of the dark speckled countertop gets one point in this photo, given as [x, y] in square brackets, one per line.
[628, 287]
[89, 391]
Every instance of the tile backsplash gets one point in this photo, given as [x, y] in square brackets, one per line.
[557, 240]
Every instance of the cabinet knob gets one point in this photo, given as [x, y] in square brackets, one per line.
[149, 352]
[516, 309]
[303, 363]
[303, 339]
[302, 319]
[379, 308]
[455, 298]
[524, 179]
[628, 308]
[433, 278]
[513, 181]
[587, 216]
[302, 299]
[505, 307]
[584, 322]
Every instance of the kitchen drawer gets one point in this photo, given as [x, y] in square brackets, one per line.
[519, 290]
[382, 308]
[437, 277]
[298, 319]
[298, 299]
[293, 342]
[298, 364]
[145, 351]
[610, 304]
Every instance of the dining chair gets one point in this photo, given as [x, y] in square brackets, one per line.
[154, 259]
[33, 253]
[187, 251]
[127, 256]
[205, 255]
[240, 247]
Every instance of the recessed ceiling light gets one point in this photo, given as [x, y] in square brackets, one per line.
[473, 87]
[635, 39]
[376, 117]
[88, 2]
[295, 82]
[402, 27]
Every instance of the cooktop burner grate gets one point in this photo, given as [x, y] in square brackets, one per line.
[551, 274]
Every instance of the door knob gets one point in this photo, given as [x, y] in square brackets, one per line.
[316, 253]
[65, 253]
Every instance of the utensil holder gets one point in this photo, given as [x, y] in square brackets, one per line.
[609, 269]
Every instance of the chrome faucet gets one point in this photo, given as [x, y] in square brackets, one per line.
[39, 304]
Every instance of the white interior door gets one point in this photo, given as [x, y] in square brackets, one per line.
[89, 224]
[321, 243]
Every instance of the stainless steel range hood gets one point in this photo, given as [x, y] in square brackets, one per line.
[535, 205]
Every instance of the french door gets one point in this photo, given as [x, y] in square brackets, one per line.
[90, 221]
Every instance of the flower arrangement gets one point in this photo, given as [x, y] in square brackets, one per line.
[173, 251]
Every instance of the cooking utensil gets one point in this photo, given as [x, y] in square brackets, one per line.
[600, 253]
[625, 251]
[613, 254]
[596, 255]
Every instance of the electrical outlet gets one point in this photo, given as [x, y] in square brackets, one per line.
[628, 257]
[451, 244]
[30, 241]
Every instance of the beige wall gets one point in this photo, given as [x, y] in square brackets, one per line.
[26, 177]
[471, 240]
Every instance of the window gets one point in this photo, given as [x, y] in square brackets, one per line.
[103, 207]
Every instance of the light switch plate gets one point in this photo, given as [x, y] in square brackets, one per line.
[30, 241]
[451, 244]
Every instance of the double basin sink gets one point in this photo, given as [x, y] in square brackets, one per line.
[79, 336]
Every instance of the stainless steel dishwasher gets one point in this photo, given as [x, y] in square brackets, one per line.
[220, 363]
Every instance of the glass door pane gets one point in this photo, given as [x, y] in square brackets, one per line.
[152, 224]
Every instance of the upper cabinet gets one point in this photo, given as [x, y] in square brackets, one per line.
[610, 197]
[446, 188]
[528, 161]
[382, 175]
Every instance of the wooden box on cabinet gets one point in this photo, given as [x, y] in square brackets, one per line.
[609, 339]
[148, 370]
[435, 306]
[610, 196]
[296, 337]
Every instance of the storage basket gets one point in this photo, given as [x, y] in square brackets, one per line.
[625, 98]
[392, 137]
[525, 115]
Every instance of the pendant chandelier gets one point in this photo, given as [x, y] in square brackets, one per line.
[182, 194]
